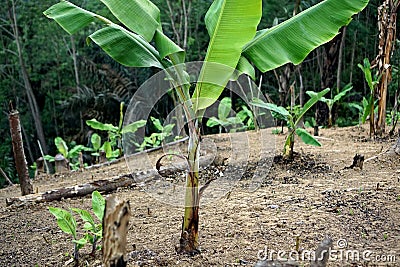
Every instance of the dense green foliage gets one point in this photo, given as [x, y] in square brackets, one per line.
[65, 103]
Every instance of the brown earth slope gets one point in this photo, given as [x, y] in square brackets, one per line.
[303, 200]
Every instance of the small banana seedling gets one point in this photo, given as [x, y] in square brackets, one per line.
[369, 103]
[71, 154]
[223, 121]
[115, 133]
[293, 121]
[93, 231]
[331, 101]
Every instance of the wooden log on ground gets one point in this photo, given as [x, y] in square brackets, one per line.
[115, 229]
[105, 185]
[74, 191]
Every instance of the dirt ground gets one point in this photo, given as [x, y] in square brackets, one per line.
[305, 200]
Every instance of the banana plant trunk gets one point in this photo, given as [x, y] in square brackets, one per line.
[189, 241]
[387, 18]
[288, 150]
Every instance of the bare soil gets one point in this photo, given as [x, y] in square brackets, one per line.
[305, 200]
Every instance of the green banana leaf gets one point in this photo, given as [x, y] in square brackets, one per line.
[272, 107]
[126, 47]
[367, 72]
[61, 146]
[139, 16]
[85, 215]
[133, 127]
[166, 47]
[69, 16]
[231, 24]
[98, 205]
[244, 66]
[96, 141]
[339, 96]
[307, 138]
[293, 39]
[224, 108]
[101, 126]
[314, 99]
[65, 220]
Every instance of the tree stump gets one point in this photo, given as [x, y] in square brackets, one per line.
[115, 229]
[19, 154]
[61, 163]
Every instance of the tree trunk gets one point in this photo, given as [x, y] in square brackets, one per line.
[387, 35]
[329, 65]
[189, 241]
[28, 87]
[340, 62]
[19, 154]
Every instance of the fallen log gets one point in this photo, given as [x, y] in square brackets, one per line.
[105, 185]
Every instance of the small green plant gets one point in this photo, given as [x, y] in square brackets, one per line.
[156, 138]
[247, 118]
[385, 236]
[93, 231]
[310, 123]
[223, 121]
[331, 101]
[71, 154]
[115, 133]
[351, 212]
[293, 121]
[368, 104]
[276, 131]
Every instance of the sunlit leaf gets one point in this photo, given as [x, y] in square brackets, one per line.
[293, 39]
[307, 138]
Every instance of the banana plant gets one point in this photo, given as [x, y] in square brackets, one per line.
[293, 121]
[223, 120]
[234, 43]
[370, 103]
[331, 101]
[115, 133]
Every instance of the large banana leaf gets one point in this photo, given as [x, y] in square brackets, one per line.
[231, 24]
[166, 47]
[69, 16]
[122, 45]
[294, 39]
[140, 16]
[126, 47]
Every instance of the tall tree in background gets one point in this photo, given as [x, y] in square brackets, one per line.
[328, 70]
[27, 84]
[387, 15]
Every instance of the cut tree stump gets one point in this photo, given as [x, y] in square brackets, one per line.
[19, 154]
[115, 230]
